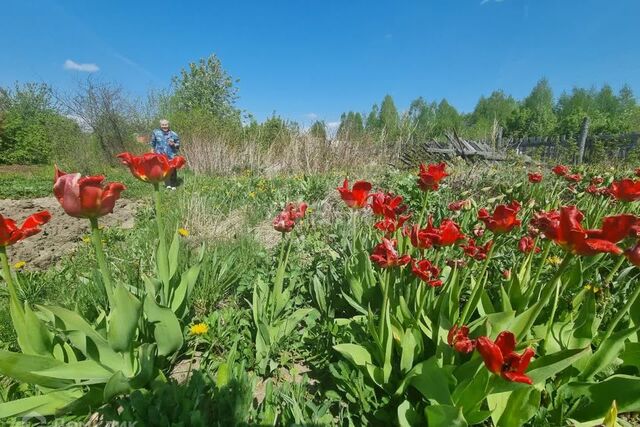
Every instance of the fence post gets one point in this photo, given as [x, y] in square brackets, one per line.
[583, 139]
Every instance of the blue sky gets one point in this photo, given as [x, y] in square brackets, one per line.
[307, 59]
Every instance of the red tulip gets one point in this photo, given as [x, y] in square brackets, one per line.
[527, 244]
[504, 218]
[576, 177]
[385, 255]
[500, 357]
[85, 197]
[419, 238]
[430, 176]
[10, 233]
[535, 177]
[626, 190]
[560, 170]
[387, 204]
[459, 205]
[478, 232]
[426, 272]
[633, 254]
[151, 167]
[566, 230]
[506, 274]
[356, 198]
[458, 338]
[479, 253]
[391, 224]
[446, 234]
[287, 219]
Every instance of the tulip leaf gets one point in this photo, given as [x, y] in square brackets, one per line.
[432, 381]
[116, 385]
[166, 327]
[183, 291]
[357, 354]
[123, 319]
[608, 350]
[173, 255]
[624, 389]
[43, 405]
[407, 416]
[23, 368]
[445, 416]
[631, 354]
[78, 371]
[521, 406]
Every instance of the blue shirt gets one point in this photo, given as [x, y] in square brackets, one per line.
[160, 142]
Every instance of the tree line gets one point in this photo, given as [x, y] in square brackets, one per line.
[98, 119]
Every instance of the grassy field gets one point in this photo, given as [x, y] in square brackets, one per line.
[305, 328]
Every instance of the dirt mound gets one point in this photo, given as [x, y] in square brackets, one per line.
[62, 234]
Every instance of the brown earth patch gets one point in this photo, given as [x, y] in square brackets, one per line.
[62, 234]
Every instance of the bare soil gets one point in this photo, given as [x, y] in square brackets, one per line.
[62, 234]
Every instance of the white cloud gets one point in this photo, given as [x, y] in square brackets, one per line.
[87, 68]
[311, 116]
[489, 1]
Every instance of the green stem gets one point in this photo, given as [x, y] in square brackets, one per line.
[6, 271]
[424, 208]
[553, 314]
[386, 283]
[545, 295]
[96, 239]
[157, 198]
[621, 313]
[475, 292]
[613, 271]
[545, 255]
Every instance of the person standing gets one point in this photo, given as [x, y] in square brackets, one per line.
[167, 142]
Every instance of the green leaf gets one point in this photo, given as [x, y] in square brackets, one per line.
[521, 406]
[408, 347]
[166, 327]
[22, 367]
[407, 416]
[608, 350]
[123, 319]
[183, 291]
[611, 417]
[624, 389]
[471, 392]
[78, 371]
[116, 385]
[44, 405]
[445, 416]
[173, 255]
[631, 354]
[356, 354]
[432, 381]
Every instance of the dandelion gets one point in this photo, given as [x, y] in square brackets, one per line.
[18, 265]
[86, 239]
[252, 195]
[183, 232]
[199, 329]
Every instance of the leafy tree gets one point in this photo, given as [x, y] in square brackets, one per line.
[373, 122]
[389, 118]
[351, 126]
[447, 118]
[205, 87]
[318, 130]
[496, 109]
[536, 115]
[423, 117]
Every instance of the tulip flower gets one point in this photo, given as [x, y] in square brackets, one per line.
[85, 197]
[10, 233]
[576, 177]
[391, 224]
[560, 170]
[419, 238]
[527, 244]
[633, 254]
[386, 255]
[479, 253]
[387, 204]
[503, 219]
[430, 176]
[356, 198]
[566, 230]
[597, 180]
[535, 177]
[459, 205]
[458, 338]
[427, 272]
[626, 190]
[287, 219]
[151, 167]
[500, 358]
[446, 234]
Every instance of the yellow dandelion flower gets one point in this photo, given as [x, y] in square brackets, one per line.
[183, 232]
[554, 260]
[587, 287]
[86, 239]
[252, 195]
[18, 265]
[199, 329]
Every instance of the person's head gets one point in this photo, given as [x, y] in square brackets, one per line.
[164, 125]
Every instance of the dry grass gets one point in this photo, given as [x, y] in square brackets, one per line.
[299, 154]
